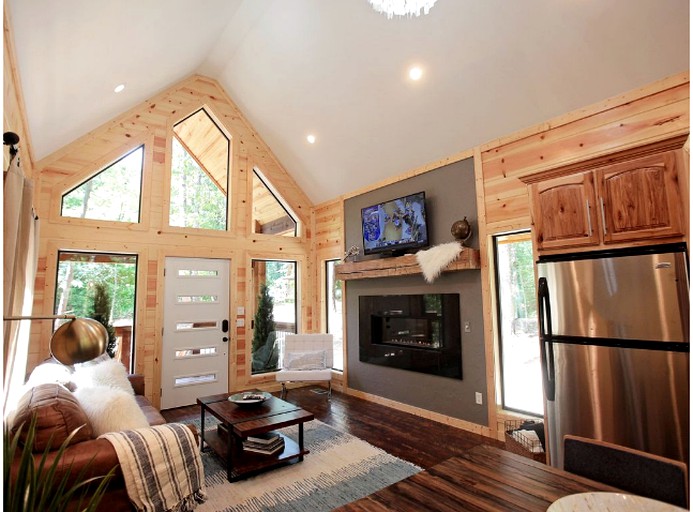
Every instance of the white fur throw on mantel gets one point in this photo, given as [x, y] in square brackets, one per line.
[432, 261]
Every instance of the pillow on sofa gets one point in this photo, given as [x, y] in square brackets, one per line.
[110, 409]
[51, 372]
[314, 360]
[58, 413]
[109, 373]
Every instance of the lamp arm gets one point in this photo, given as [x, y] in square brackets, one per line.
[47, 317]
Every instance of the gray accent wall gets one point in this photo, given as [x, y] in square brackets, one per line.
[450, 196]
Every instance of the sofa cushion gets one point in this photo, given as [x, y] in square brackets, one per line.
[110, 372]
[58, 413]
[110, 409]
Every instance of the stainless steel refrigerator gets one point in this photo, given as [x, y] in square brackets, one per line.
[614, 330]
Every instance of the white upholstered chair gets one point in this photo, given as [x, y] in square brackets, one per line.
[306, 358]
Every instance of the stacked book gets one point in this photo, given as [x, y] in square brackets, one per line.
[268, 443]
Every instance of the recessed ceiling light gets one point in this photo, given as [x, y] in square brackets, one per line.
[415, 73]
[119, 88]
[311, 138]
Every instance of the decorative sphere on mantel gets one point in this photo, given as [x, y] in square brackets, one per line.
[461, 230]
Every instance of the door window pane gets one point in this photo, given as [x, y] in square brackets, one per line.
[275, 311]
[101, 286]
[521, 384]
[335, 319]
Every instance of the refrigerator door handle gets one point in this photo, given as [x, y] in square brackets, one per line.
[545, 336]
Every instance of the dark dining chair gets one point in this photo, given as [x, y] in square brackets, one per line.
[627, 469]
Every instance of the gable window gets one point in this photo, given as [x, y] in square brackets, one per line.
[101, 286]
[199, 174]
[270, 216]
[520, 367]
[275, 313]
[333, 314]
[112, 194]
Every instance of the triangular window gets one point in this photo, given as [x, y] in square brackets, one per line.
[270, 216]
[199, 174]
[112, 194]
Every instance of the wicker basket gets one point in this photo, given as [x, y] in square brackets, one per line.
[515, 442]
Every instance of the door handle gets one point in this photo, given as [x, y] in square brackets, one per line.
[546, 341]
[224, 326]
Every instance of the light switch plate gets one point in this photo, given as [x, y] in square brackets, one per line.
[240, 322]
[240, 311]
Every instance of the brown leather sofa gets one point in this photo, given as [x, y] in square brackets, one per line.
[58, 414]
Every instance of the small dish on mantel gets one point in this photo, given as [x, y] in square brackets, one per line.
[250, 397]
[611, 502]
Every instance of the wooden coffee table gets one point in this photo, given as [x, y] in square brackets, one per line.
[251, 420]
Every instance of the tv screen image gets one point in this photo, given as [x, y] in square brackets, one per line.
[395, 225]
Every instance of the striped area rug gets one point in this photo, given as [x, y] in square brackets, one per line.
[339, 469]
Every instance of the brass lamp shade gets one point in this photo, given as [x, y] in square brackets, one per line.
[78, 341]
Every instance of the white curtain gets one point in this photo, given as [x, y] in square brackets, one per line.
[19, 266]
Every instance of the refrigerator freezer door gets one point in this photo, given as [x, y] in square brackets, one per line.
[634, 297]
[632, 397]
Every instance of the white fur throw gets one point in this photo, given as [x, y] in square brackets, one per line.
[432, 261]
[110, 409]
[110, 373]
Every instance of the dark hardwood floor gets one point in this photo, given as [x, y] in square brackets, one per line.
[418, 440]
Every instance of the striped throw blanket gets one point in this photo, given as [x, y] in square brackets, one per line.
[161, 466]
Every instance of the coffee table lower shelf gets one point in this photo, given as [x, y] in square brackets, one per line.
[245, 464]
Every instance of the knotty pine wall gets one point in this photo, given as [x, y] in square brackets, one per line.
[648, 114]
[153, 240]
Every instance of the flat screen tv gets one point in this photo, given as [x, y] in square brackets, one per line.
[396, 226]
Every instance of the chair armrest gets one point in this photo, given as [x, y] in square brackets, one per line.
[137, 382]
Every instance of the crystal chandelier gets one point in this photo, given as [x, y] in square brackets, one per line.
[402, 7]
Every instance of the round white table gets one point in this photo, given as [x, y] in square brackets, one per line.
[609, 502]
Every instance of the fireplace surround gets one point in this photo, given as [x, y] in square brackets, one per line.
[420, 333]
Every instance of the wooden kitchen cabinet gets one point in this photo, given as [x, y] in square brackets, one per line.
[631, 200]
[563, 212]
[640, 199]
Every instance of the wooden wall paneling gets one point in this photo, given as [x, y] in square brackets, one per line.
[13, 107]
[487, 295]
[153, 240]
[657, 115]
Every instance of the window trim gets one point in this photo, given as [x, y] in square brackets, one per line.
[167, 183]
[514, 236]
[133, 334]
[102, 169]
[280, 200]
[326, 283]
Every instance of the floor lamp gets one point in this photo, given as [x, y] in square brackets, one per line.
[77, 341]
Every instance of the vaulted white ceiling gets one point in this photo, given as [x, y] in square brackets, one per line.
[338, 69]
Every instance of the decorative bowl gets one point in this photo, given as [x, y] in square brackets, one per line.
[250, 397]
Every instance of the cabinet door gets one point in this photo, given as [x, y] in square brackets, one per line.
[640, 199]
[563, 212]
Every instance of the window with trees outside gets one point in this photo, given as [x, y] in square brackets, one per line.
[112, 194]
[101, 286]
[520, 367]
[270, 215]
[275, 314]
[200, 154]
[333, 314]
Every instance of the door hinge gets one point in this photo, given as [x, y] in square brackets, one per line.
[161, 392]
[162, 331]
[164, 271]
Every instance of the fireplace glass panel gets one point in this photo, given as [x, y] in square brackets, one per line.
[413, 332]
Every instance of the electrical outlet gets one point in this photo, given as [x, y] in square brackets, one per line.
[467, 327]
[479, 398]
[240, 322]
[240, 311]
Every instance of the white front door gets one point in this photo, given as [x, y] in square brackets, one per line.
[195, 355]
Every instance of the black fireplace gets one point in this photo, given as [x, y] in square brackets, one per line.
[420, 333]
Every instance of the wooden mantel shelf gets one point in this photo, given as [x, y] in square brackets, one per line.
[468, 259]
